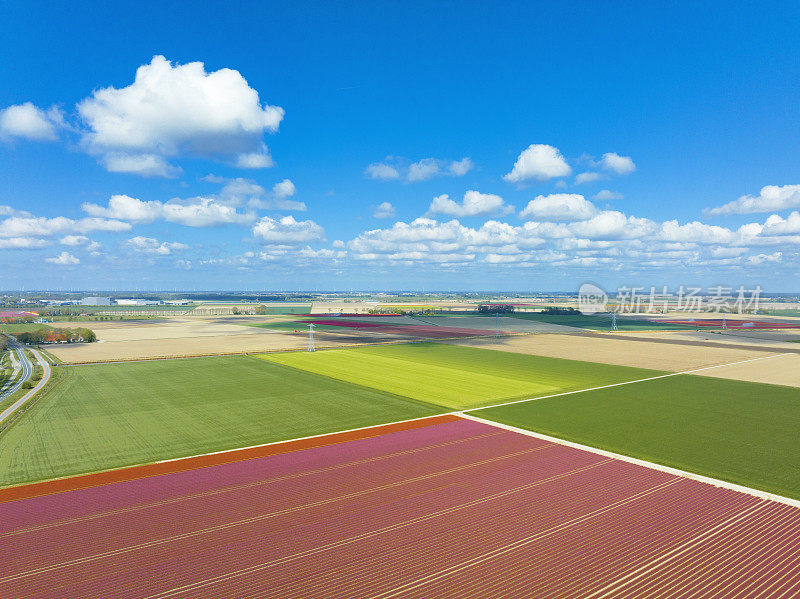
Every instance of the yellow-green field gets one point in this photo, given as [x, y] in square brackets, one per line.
[456, 377]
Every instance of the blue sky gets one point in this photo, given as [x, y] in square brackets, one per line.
[373, 145]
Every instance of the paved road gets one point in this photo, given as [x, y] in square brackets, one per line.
[15, 368]
[25, 365]
[45, 377]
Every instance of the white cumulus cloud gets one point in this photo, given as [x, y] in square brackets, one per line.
[33, 226]
[146, 165]
[63, 259]
[171, 110]
[194, 212]
[74, 240]
[771, 198]
[459, 168]
[287, 230]
[383, 210]
[421, 170]
[284, 189]
[777, 225]
[29, 122]
[605, 194]
[474, 203]
[148, 245]
[559, 207]
[22, 243]
[382, 171]
[588, 177]
[539, 162]
[620, 165]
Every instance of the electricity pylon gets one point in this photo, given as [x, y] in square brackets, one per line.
[311, 337]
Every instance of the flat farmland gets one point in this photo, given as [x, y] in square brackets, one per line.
[449, 509]
[22, 328]
[602, 322]
[778, 370]
[622, 352]
[453, 376]
[742, 432]
[107, 416]
[140, 339]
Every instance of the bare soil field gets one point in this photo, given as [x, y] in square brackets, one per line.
[132, 340]
[606, 350]
[780, 370]
[766, 340]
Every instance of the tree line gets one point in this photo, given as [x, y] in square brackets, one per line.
[78, 335]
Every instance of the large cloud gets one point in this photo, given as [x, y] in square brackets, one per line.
[771, 198]
[170, 110]
[777, 225]
[539, 162]
[608, 239]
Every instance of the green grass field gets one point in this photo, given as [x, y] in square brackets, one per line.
[23, 328]
[106, 416]
[454, 376]
[746, 433]
[789, 313]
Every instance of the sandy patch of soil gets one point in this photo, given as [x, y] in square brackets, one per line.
[131, 340]
[641, 354]
[779, 370]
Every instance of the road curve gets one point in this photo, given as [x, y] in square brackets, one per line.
[7, 413]
[25, 366]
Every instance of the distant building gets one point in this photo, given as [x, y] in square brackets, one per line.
[96, 301]
[138, 302]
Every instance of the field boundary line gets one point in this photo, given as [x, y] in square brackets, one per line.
[155, 468]
[650, 378]
[74, 482]
[640, 462]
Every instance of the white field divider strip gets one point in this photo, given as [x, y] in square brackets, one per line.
[652, 465]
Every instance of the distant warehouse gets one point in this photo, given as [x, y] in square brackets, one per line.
[96, 301]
